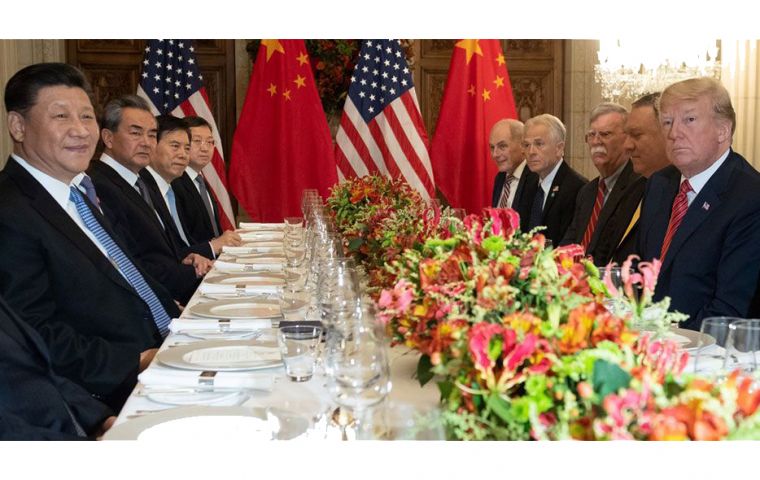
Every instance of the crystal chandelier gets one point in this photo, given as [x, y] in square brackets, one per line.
[628, 69]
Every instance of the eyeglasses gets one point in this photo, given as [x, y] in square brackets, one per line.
[199, 143]
[590, 135]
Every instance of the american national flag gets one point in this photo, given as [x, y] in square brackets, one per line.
[381, 131]
[173, 84]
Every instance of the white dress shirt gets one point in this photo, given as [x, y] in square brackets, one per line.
[699, 180]
[546, 183]
[60, 193]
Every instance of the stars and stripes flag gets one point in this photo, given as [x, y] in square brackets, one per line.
[172, 83]
[381, 130]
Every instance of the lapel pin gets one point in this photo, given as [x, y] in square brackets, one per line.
[705, 206]
[555, 189]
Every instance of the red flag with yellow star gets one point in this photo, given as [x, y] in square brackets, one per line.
[282, 143]
[477, 94]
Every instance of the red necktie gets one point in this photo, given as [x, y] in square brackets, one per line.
[598, 203]
[680, 205]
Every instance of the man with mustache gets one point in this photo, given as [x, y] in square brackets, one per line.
[607, 202]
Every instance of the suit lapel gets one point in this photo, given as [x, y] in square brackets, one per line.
[616, 195]
[51, 211]
[163, 211]
[704, 204]
[554, 191]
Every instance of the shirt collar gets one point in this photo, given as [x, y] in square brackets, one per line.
[612, 179]
[57, 189]
[163, 187]
[128, 175]
[191, 173]
[699, 180]
[519, 170]
[546, 183]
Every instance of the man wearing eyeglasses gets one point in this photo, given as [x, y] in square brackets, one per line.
[196, 207]
[558, 184]
[605, 205]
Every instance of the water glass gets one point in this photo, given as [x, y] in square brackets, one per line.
[401, 421]
[299, 346]
[709, 358]
[743, 346]
[295, 252]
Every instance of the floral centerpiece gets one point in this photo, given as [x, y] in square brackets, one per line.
[379, 218]
[524, 347]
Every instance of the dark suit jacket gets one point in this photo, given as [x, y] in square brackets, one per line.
[192, 211]
[560, 203]
[33, 399]
[614, 217]
[523, 201]
[712, 265]
[202, 248]
[136, 223]
[54, 277]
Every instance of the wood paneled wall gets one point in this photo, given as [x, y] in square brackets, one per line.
[113, 68]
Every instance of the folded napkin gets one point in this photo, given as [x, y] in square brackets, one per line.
[249, 250]
[182, 324]
[220, 289]
[264, 226]
[259, 244]
[158, 375]
[242, 267]
[253, 236]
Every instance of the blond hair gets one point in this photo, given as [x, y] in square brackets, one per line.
[695, 88]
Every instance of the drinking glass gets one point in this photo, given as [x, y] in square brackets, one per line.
[743, 346]
[295, 251]
[392, 420]
[710, 358]
[299, 348]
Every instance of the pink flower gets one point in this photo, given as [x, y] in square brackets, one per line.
[650, 271]
[504, 221]
[521, 351]
[480, 342]
[608, 280]
[399, 299]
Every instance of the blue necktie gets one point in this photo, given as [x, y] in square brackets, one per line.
[537, 210]
[89, 190]
[133, 276]
[175, 215]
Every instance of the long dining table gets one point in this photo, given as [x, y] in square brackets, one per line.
[307, 404]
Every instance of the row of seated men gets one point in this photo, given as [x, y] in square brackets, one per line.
[98, 255]
[670, 187]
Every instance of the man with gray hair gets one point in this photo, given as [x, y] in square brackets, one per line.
[605, 205]
[701, 215]
[558, 184]
[129, 132]
[514, 185]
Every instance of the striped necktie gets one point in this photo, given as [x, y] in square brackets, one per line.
[598, 204]
[504, 199]
[680, 206]
[133, 276]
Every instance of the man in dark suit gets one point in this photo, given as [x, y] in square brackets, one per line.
[196, 207]
[646, 146]
[558, 184]
[701, 216]
[35, 403]
[129, 130]
[169, 161]
[514, 185]
[606, 204]
[63, 270]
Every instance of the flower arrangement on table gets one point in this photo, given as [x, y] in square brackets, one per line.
[379, 218]
[524, 347]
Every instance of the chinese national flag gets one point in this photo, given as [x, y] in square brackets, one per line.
[477, 94]
[282, 143]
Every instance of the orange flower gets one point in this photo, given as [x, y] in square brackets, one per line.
[575, 333]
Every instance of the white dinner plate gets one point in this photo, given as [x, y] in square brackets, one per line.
[242, 308]
[228, 424]
[221, 335]
[219, 398]
[689, 340]
[253, 279]
[222, 356]
[262, 243]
